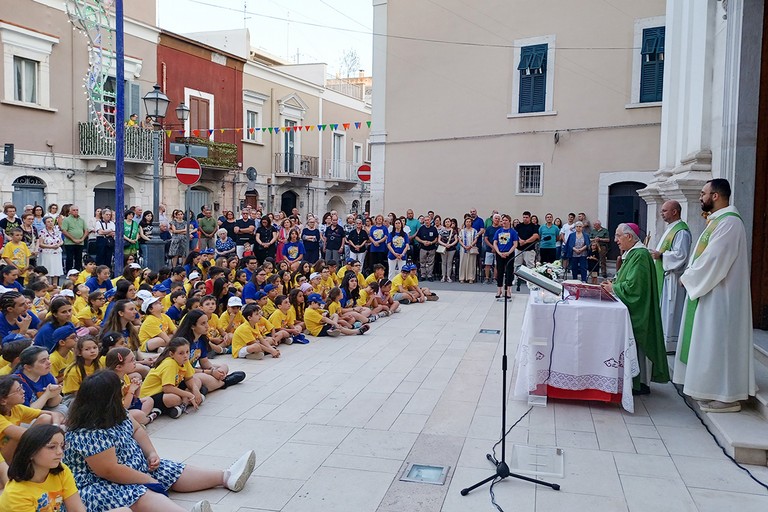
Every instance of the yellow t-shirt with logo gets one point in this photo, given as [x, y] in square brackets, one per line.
[412, 281]
[245, 335]
[19, 414]
[18, 255]
[399, 281]
[371, 279]
[314, 321]
[73, 379]
[59, 363]
[327, 284]
[363, 299]
[152, 326]
[265, 326]
[169, 373]
[279, 319]
[214, 326]
[47, 496]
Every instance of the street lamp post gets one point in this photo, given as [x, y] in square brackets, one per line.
[156, 104]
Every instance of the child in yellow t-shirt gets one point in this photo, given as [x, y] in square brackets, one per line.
[81, 298]
[283, 321]
[321, 325]
[86, 363]
[92, 315]
[171, 383]
[42, 455]
[248, 341]
[10, 351]
[122, 361]
[64, 340]
[16, 253]
[218, 339]
[269, 306]
[87, 272]
[232, 318]
[157, 328]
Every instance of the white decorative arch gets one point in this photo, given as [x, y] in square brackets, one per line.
[611, 178]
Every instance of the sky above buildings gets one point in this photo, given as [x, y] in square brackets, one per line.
[307, 30]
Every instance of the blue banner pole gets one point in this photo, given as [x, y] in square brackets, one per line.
[119, 137]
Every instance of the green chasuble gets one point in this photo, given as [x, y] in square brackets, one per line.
[637, 287]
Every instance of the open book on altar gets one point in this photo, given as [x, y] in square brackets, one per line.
[579, 290]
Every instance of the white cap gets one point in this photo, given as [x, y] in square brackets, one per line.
[235, 302]
[314, 275]
[135, 266]
[67, 293]
[194, 275]
[144, 295]
[73, 272]
[145, 305]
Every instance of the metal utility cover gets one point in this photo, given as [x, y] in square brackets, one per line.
[490, 331]
[425, 474]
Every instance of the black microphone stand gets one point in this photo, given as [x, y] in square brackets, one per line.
[502, 469]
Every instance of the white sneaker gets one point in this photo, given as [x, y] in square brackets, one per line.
[202, 506]
[238, 473]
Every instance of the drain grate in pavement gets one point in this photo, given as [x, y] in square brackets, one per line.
[490, 331]
[425, 474]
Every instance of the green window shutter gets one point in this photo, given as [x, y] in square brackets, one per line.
[533, 78]
[652, 65]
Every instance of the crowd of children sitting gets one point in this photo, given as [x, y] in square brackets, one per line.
[160, 332]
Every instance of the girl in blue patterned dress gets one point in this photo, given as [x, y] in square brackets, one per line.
[104, 445]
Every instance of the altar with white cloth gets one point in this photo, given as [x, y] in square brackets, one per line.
[594, 356]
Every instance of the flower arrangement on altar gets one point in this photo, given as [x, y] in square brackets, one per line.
[553, 271]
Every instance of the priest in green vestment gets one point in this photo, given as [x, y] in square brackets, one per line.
[637, 287]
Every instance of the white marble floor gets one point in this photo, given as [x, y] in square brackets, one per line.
[334, 422]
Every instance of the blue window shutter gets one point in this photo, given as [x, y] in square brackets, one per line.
[652, 65]
[533, 78]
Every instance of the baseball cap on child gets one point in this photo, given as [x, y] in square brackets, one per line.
[315, 297]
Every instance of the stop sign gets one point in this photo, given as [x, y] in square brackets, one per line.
[364, 172]
[188, 171]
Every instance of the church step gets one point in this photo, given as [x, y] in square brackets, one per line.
[745, 434]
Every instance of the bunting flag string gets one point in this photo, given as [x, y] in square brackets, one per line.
[357, 125]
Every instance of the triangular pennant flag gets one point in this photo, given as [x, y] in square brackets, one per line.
[283, 129]
[300, 127]
[263, 129]
[346, 126]
[222, 130]
[357, 125]
[168, 133]
[335, 126]
[210, 132]
[320, 127]
[196, 133]
[309, 128]
[251, 130]
[294, 128]
[237, 130]
[368, 123]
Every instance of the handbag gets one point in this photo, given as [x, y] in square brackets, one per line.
[440, 249]
[474, 250]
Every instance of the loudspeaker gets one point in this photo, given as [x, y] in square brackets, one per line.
[8, 154]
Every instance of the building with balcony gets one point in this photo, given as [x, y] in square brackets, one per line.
[304, 140]
[60, 146]
[541, 106]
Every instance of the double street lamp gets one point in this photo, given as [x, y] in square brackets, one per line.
[156, 104]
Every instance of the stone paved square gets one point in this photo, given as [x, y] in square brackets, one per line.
[333, 424]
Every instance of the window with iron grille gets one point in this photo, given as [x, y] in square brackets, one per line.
[529, 179]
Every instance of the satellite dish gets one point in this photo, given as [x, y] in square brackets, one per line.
[251, 173]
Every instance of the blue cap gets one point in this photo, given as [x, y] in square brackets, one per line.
[62, 333]
[411, 267]
[14, 336]
[405, 268]
[269, 288]
[350, 261]
[109, 293]
[160, 288]
[315, 297]
[207, 251]
[260, 295]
